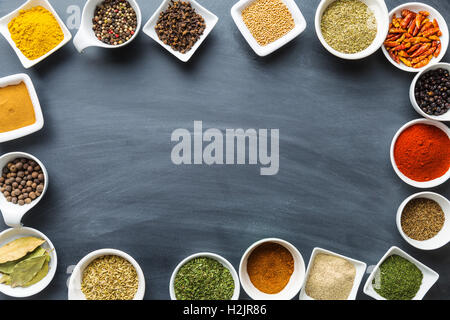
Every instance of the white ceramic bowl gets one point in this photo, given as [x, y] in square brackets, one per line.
[13, 213]
[15, 233]
[299, 20]
[443, 237]
[412, 97]
[75, 292]
[417, 184]
[379, 9]
[359, 266]
[434, 14]
[295, 283]
[429, 276]
[21, 132]
[222, 260]
[27, 63]
[85, 36]
[210, 20]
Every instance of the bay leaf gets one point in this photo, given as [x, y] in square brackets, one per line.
[5, 279]
[26, 270]
[18, 248]
[41, 274]
[8, 267]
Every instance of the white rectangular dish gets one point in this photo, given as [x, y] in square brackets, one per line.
[359, 266]
[299, 20]
[210, 20]
[429, 276]
[21, 132]
[27, 63]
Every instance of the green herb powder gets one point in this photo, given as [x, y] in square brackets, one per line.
[398, 279]
[203, 279]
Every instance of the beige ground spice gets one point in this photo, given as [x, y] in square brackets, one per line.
[268, 20]
[109, 278]
[330, 278]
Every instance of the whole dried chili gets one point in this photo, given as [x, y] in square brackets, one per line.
[413, 39]
[422, 152]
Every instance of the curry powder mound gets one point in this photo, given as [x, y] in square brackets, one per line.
[35, 32]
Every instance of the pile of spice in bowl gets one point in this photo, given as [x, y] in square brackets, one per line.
[432, 92]
[35, 32]
[348, 26]
[203, 278]
[180, 26]
[413, 39]
[397, 279]
[22, 181]
[114, 22]
[268, 20]
[330, 278]
[110, 277]
[422, 152]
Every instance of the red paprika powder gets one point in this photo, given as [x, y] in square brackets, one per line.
[422, 152]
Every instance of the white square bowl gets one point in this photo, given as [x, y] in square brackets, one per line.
[21, 132]
[210, 20]
[429, 276]
[27, 63]
[359, 266]
[299, 20]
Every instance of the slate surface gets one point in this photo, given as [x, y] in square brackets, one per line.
[106, 143]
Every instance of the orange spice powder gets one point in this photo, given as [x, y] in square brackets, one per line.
[16, 108]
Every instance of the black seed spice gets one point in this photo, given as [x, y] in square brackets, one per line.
[432, 92]
[180, 26]
[114, 22]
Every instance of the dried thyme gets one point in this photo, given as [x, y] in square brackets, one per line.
[110, 278]
[203, 279]
[398, 279]
[348, 26]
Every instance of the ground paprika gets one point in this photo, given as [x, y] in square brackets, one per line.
[422, 152]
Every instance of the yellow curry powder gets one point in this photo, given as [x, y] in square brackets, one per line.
[16, 108]
[35, 32]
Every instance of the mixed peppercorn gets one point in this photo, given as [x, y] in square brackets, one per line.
[114, 22]
[432, 92]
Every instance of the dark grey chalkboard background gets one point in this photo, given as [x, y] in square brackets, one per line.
[106, 143]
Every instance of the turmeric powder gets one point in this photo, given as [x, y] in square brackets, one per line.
[16, 108]
[35, 32]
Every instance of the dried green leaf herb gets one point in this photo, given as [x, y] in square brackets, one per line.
[8, 267]
[18, 248]
[203, 279]
[398, 279]
[41, 274]
[26, 270]
[5, 279]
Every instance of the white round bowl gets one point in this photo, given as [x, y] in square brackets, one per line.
[412, 97]
[295, 283]
[75, 292]
[222, 260]
[380, 11]
[16, 233]
[443, 237]
[427, 184]
[13, 213]
[434, 14]
[85, 36]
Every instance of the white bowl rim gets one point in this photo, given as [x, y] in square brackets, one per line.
[219, 258]
[31, 291]
[291, 248]
[27, 63]
[444, 29]
[412, 88]
[426, 184]
[350, 56]
[411, 259]
[100, 253]
[21, 211]
[358, 274]
[423, 194]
